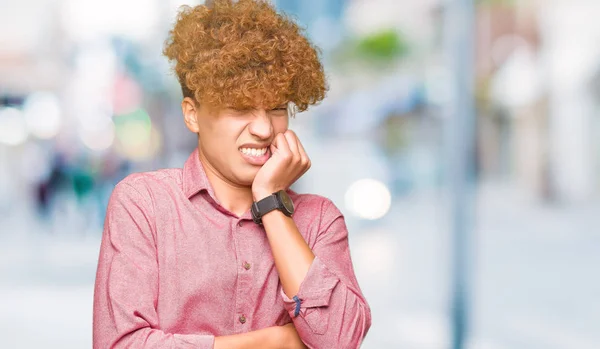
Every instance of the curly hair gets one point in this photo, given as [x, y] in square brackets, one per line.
[236, 54]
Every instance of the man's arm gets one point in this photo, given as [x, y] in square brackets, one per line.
[293, 257]
[319, 287]
[126, 288]
[333, 313]
[277, 337]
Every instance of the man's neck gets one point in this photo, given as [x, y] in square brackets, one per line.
[234, 198]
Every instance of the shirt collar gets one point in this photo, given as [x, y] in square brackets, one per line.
[195, 181]
[194, 176]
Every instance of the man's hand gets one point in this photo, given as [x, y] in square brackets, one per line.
[290, 338]
[276, 337]
[288, 162]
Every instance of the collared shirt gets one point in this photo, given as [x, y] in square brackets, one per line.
[177, 269]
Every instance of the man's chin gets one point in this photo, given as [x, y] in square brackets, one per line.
[247, 178]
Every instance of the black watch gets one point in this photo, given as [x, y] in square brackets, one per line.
[277, 201]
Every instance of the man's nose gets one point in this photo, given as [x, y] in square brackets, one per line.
[261, 125]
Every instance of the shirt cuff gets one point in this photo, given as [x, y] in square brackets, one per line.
[316, 288]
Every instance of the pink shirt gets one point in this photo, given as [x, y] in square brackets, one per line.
[177, 269]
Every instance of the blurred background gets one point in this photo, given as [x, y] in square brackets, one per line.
[86, 98]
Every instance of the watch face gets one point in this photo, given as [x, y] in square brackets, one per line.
[286, 201]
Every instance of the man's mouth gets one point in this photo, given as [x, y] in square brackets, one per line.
[254, 152]
[255, 156]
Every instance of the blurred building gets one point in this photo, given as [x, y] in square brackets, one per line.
[538, 121]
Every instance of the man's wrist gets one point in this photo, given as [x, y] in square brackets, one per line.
[261, 193]
[270, 337]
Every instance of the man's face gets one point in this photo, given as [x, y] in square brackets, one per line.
[235, 143]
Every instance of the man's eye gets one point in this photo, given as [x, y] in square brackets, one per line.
[280, 112]
[239, 110]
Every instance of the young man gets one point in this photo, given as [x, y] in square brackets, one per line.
[221, 254]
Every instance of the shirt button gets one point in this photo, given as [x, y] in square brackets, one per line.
[242, 319]
[247, 266]
[240, 223]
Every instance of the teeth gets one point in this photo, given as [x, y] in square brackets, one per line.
[254, 151]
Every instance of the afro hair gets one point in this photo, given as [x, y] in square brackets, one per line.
[243, 54]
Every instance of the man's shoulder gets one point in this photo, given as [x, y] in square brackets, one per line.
[153, 179]
[311, 202]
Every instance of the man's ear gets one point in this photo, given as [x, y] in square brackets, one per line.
[190, 116]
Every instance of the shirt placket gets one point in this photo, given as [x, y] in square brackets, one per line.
[243, 304]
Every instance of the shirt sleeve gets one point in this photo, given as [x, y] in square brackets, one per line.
[126, 289]
[333, 311]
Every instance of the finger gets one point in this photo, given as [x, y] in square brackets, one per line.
[276, 143]
[305, 161]
[281, 146]
[304, 155]
[292, 141]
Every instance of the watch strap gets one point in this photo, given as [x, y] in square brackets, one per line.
[264, 206]
[268, 204]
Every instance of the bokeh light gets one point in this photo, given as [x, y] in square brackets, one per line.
[13, 130]
[43, 115]
[137, 139]
[100, 137]
[87, 19]
[368, 199]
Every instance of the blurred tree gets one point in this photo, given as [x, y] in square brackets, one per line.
[386, 45]
[377, 50]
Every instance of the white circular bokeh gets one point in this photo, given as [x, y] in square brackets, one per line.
[368, 199]
[99, 138]
[13, 130]
[43, 115]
